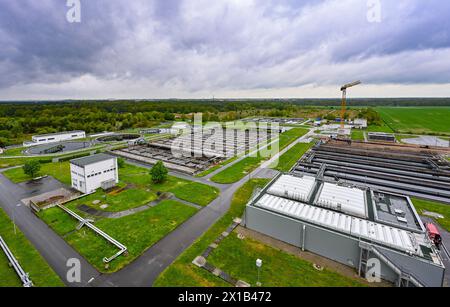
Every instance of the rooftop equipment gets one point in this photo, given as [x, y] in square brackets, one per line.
[434, 234]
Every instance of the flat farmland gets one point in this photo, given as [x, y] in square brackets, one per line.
[417, 120]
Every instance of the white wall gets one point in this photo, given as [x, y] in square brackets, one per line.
[78, 178]
[37, 140]
[94, 174]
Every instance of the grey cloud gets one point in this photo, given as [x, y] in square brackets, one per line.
[211, 45]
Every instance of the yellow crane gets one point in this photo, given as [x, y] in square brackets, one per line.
[344, 99]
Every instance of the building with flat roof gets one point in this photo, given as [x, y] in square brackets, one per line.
[360, 123]
[55, 138]
[381, 136]
[349, 224]
[93, 172]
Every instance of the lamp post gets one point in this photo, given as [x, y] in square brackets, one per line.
[259, 263]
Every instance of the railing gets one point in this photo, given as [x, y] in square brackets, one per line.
[24, 277]
[85, 222]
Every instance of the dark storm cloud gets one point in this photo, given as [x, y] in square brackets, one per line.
[235, 44]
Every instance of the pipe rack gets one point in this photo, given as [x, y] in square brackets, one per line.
[85, 222]
[24, 277]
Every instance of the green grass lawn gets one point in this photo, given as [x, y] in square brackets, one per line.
[138, 232]
[238, 171]
[143, 189]
[290, 157]
[383, 128]
[190, 191]
[426, 205]
[123, 200]
[13, 152]
[417, 120]
[289, 136]
[280, 269]
[60, 171]
[357, 135]
[29, 258]
[216, 167]
[182, 272]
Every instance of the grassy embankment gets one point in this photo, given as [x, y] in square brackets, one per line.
[237, 257]
[29, 258]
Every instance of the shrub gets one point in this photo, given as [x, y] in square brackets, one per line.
[159, 172]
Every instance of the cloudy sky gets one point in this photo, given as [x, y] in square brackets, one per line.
[224, 48]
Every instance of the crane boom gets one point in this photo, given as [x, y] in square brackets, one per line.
[344, 87]
[344, 100]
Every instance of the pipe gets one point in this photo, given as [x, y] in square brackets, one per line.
[26, 281]
[122, 248]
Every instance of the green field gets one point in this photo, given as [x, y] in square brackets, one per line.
[60, 171]
[237, 258]
[237, 171]
[430, 206]
[357, 135]
[417, 120]
[138, 232]
[190, 191]
[289, 158]
[29, 258]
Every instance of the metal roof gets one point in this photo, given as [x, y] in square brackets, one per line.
[58, 133]
[344, 199]
[353, 226]
[296, 188]
[82, 162]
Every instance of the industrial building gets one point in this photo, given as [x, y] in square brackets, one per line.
[360, 123]
[198, 150]
[93, 172]
[55, 138]
[351, 225]
[406, 170]
[381, 137]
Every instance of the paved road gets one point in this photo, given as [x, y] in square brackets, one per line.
[51, 246]
[145, 269]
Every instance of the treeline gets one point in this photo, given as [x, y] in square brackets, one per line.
[20, 119]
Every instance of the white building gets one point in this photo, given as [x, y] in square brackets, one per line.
[360, 123]
[93, 172]
[55, 138]
[350, 225]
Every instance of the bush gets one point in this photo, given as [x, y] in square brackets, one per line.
[32, 168]
[159, 172]
[120, 162]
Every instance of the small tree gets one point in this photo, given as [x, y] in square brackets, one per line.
[120, 162]
[159, 172]
[32, 168]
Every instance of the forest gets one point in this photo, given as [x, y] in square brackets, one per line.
[18, 120]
